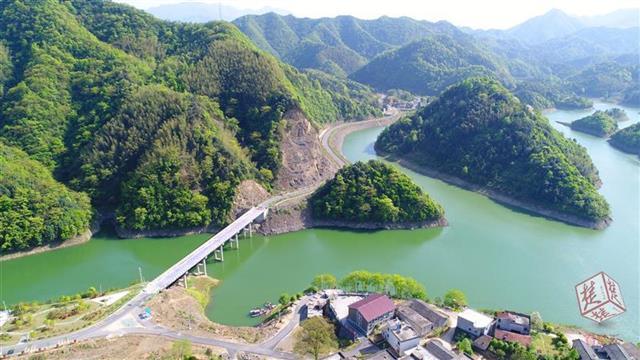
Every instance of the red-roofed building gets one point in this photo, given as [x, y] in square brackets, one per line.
[367, 313]
[524, 340]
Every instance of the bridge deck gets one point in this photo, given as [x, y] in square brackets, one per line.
[192, 259]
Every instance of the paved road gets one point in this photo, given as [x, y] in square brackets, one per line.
[135, 306]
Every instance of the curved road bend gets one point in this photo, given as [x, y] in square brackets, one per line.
[135, 306]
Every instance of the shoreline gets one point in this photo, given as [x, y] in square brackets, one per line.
[335, 135]
[76, 240]
[501, 198]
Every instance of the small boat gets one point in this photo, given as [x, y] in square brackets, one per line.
[257, 312]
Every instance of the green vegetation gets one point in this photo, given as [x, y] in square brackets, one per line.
[373, 192]
[35, 209]
[598, 124]
[324, 281]
[477, 131]
[455, 299]
[395, 285]
[157, 120]
[317, 337]
[627, 139]
[338, 45]
[607, 79]
[464, 346]
[617, 114]
[430, 65]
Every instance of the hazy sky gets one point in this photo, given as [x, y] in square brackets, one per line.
[473, 13]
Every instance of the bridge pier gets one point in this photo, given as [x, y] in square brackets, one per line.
[234, 240]
[183, 281]
[218, 254]
[250, 231]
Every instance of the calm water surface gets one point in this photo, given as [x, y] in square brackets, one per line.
[500, 257]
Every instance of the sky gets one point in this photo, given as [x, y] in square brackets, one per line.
[480, 14]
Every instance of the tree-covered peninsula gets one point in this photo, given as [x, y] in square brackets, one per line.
[35, 209]
[597, 124]
[627, 139]
[479, 135]
[374, 193]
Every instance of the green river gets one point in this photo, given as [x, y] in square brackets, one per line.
[500, 257]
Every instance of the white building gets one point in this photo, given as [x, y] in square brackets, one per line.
[400, 336]
[474, 323]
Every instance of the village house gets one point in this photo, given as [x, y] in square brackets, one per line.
[435, 350]
[474, 323]
[337, 309]
[422, 317]
[586, 352]
[514, 322]
[371, 311]
[400, 336]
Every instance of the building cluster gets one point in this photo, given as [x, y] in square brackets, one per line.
[402, 328]
[602, 352]
[507, 326]
[408, 330]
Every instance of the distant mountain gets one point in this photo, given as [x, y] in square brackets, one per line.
[623, 18]
[552, 24]
[430, 65]
[556, 24]
[339, 45]
[204, 12]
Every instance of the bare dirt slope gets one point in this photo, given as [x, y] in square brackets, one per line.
[304, 162]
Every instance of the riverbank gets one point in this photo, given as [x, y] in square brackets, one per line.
[502, 198]
[76, 240]
[183, 310]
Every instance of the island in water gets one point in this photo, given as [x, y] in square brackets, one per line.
[374, 195]
[627, 139]
[600, 124]
[479, 136]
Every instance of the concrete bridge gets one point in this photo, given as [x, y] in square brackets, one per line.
[197, 258]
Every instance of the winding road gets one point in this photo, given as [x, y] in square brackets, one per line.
[124, 321]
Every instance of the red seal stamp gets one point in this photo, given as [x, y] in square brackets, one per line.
[599, 298]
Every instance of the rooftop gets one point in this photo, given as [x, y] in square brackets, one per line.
[483, 342]
[340, 305]
[517, 318]
[373, 306]
[524, 340]
[436, 351]
[413, 317]
[428, 312]
[616, 352]
[478, 319]
[401, 330]
[586, 352]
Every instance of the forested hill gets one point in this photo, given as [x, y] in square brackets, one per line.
[154, 120]
[430, 65]
[478, 132]
[374, 193]
[339, 45]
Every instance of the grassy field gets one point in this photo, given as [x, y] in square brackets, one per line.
[65, 315]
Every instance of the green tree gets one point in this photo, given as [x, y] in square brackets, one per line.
[536, 321]
[455, 299]
[325, 281]
[464, 345]
[316, 338]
